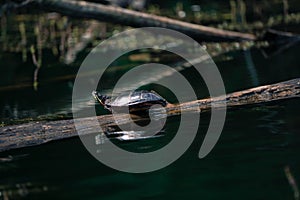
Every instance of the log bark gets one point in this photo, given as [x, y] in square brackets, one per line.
[132, 18]
[36, 133]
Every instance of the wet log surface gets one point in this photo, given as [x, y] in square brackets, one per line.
[132, 18]
[36, 133]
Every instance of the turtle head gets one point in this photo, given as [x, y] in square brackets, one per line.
[99, 97]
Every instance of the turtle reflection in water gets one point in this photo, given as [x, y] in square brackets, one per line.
[138, 102]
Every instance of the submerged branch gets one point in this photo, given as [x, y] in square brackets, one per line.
[292, 182]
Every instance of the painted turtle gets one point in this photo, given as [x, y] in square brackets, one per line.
[136, 101]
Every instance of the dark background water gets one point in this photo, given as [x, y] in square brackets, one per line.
[248, 162]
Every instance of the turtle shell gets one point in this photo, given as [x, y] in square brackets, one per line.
[136, 99]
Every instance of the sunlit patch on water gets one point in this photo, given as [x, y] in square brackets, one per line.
[124, 136]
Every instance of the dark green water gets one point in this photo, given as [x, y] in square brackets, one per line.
[247, 163]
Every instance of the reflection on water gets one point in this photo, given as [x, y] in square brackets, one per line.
[246, 69]
[251, 67]
[247, 158]
[248, 161]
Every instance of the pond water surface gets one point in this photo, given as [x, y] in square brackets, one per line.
[248, 162]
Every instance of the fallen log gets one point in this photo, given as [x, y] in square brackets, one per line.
[132, 18]
[36, 133]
